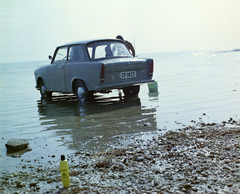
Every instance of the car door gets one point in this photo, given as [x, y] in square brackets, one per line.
[56, 78]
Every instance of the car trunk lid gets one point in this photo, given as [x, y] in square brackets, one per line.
[127, 70]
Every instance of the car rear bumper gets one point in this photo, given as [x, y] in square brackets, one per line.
[120, 85]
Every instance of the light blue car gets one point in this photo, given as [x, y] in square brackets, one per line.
[87, 67]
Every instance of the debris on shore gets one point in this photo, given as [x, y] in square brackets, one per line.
[201, 158]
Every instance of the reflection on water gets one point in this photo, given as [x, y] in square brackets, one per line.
[94, 124]
[191, 86]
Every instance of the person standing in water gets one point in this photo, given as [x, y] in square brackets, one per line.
[128, 44]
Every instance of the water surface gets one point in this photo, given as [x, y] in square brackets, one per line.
[192, 86]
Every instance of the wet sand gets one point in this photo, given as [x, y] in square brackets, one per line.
[199, 158]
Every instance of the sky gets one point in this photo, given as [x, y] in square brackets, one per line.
[30, 30]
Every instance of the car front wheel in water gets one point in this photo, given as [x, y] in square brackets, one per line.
[44, 93]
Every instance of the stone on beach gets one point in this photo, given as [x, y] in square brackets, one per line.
[15, 145]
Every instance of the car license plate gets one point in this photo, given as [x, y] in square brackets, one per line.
[128, 74]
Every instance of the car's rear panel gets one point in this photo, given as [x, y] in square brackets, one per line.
[119, 73]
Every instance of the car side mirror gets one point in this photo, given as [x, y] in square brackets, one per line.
[50, 57]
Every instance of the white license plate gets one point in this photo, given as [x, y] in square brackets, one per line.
[128, 74]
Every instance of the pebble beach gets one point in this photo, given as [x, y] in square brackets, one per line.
[199, 158]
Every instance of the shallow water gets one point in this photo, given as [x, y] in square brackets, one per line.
[191, 86]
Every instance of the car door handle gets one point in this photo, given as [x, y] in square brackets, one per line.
[60, 67]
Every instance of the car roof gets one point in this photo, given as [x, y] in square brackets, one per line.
[89, 41]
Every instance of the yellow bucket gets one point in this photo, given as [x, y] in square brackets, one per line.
[153, 87]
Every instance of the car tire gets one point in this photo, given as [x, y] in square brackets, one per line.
[44, 93]
[131, 91]
[81, 91]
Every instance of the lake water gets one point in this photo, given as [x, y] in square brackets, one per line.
[191, 86]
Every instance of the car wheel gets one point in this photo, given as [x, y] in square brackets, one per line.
[44, 93]
[81, 91]
[131, 91]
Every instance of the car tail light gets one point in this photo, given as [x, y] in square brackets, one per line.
[151, 68]
[102, 75]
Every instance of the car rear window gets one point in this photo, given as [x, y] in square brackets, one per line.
[106, 49]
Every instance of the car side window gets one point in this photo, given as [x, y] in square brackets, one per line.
[90, 52]
[75, 53]
[61, 54]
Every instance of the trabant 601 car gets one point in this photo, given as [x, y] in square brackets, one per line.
[87, 67]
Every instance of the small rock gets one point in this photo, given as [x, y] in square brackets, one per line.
[225, 167]
[228, 147]
[187, 186]
[140, 158]
[14, 145]
[20, 185]
[33, 184]
[147, 124]
[104, 164]
[24, 166]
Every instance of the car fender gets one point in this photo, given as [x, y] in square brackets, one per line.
[41, 74]
[74, 80]
[38, 79]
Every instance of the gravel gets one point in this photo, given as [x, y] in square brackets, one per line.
[201, 158]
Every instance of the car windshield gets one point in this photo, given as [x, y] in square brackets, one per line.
[106, 49]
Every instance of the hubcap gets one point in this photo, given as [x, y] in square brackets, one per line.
[81, 94]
